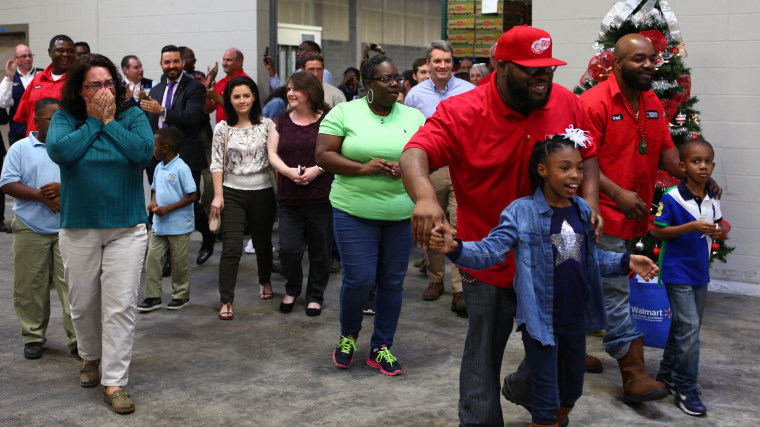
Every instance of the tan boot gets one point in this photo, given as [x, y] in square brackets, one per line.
[593, 365]
[637, 385]
[562, 414]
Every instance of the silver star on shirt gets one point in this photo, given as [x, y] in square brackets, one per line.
[568, 244]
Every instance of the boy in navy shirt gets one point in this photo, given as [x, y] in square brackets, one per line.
[171, 202]
[688, 219]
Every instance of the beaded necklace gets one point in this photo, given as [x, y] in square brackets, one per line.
[643, 133]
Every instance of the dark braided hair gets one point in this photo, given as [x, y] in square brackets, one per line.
[541, 151]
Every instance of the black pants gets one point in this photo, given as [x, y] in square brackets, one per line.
[301, 227]
[201, 219]
[257, 209]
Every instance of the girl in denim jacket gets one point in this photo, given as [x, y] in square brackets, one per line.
[557, 283]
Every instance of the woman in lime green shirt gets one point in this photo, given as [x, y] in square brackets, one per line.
[361, 142]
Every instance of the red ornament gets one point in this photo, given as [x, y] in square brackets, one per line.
[684, 80]
[656, 251]
[675, 51]
[657, 38]
[695, 136]
[600, 66]
[715, 246]
[726, 227]
[670, 107]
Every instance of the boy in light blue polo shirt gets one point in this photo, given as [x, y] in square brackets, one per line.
[688, 219]
[173, 193]
[34, 181]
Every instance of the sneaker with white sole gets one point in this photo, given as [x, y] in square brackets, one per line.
[249, 247]
[690, 403]
[149, 304]
[176, 303]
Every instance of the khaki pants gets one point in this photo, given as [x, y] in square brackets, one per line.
[178, 246]
[436, 261]
[34, 257]
[103, 269]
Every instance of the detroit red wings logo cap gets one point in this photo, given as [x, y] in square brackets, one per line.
[526, 46]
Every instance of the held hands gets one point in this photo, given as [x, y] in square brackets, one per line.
[643, 266]
[152, 206]
[309, 175]
[598, 222]
[426, 214]
[378, 165]
[51, 190]
[631, 205]
[442, 239]
[150, 105]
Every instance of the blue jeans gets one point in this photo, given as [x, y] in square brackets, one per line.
[372, 252]
[556, 371]
[680, 360]
[621, 329]
[491, 314]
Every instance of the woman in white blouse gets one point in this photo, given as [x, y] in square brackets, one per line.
[243, 191]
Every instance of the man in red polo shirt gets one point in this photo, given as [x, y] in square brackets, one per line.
[486, 137]
[626, 118]
[232, 64]
[49, 82]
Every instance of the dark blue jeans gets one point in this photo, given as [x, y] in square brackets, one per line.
[556, 371]
[372, 252]
[680, 360]
[491, 314]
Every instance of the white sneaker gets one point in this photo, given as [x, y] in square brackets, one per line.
[249, 247]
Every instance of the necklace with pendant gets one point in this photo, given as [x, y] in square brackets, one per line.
[642, 132]
[379, 117]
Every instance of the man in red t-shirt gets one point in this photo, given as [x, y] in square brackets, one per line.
[486, 137]
[47, 83]
[627, 119]
[232, 64]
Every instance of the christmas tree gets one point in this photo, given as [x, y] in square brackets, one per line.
[671, 82]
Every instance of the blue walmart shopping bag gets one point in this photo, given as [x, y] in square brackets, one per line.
[650, 309]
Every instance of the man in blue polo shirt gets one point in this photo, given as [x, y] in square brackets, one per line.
[426, 96]
[33, 180]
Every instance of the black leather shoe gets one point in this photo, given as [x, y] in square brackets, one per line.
[204, 254]
[33, 350]
[5, 229]
[287, 308]
[313, 312]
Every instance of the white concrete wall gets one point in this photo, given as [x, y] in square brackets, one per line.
[141, 27]
[723, 42]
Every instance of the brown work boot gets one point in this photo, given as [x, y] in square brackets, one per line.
[637, 385]
[457, 303]
[433, 291]
[593, 365]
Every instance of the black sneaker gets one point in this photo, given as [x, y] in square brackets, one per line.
[149, 304]
[382, 358]
[33, 350]
[176, 304]
[690, 403]
[343, 355]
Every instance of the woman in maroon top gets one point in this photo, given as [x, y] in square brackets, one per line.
[303, 192]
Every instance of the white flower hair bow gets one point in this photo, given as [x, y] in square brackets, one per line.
[578, 136]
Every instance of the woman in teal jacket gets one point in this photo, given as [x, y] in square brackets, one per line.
[101, 145]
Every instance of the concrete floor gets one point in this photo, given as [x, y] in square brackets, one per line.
[267, 368]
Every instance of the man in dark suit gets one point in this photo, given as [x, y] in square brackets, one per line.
[178, 102]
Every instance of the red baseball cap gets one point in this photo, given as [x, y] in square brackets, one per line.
[526, 46]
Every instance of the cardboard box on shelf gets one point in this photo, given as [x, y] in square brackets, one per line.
[462, 50]
[461, 7]
[461, 36]
[461, 22]
[481, 51]
[488, 22]
[487, 36]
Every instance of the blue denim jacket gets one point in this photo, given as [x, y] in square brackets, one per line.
[524, 227]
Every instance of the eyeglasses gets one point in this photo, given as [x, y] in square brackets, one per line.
[30, 56]
[533, 71]
[94, 87]
[389, 79]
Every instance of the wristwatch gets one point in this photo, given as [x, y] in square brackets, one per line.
[163, 112]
